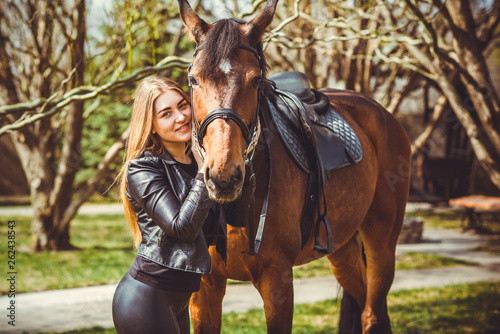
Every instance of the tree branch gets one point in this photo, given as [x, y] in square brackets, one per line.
[436, 115]
[410, 84]
[256, 5]
[85, 93]
[487, 30]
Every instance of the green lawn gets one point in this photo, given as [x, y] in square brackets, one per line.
[469, 308]
[454, 220]
[457, 309]
[106, 252]
[407, 261]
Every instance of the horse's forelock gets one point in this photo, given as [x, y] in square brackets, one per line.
[220, 43]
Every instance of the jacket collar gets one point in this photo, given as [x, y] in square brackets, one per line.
[174, 173]
[164, 155]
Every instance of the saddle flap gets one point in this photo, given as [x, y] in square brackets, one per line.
[329, 147]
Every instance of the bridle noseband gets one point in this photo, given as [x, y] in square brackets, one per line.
[250, 133]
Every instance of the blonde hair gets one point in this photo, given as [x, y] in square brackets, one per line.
[141, 137]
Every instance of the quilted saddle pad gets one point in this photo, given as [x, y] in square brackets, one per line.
[293, 140]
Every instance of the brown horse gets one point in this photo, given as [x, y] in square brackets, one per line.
[365, 201]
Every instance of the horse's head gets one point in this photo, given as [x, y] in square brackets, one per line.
[225, 79]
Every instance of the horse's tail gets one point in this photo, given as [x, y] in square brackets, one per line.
[350, 315]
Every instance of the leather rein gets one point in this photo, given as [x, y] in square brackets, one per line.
[251, 135]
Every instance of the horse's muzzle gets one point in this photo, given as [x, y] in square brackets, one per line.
[224, 190]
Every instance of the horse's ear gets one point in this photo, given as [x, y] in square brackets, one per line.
[195, 25]
[256, 27]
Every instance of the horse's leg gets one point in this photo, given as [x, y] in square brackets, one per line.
[350, 271]
[379, 232]
[206, 304]
[275, 285]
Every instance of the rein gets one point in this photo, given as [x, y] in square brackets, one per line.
[251, 135]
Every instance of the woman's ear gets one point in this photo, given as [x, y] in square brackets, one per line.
[195, 25]
[256, 27]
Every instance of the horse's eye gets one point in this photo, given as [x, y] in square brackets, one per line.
[193, 81]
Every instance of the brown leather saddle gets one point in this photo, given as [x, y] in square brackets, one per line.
[317, 139]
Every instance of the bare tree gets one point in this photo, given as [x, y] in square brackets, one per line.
[389, 49]
[479, 110]
[43, 90]
[42, 47]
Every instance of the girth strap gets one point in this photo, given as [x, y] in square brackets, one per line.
[263, 214]
[254, 244]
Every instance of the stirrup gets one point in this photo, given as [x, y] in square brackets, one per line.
[320, 248]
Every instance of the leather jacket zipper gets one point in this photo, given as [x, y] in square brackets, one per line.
[160, 238]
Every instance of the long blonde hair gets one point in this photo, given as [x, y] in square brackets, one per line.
[141, 137]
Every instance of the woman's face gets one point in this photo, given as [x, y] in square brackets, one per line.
[172, 118]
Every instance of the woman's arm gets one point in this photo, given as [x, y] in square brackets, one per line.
[149, 186]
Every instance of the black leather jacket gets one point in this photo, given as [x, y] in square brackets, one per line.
[171, 208]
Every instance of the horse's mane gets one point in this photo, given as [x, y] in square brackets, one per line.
[221, 43]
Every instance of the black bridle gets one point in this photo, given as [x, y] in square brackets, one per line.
[250, 132]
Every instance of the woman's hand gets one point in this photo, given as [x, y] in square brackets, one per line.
[198, 154]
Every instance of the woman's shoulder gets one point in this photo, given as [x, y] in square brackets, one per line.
[148, 157]
[145, 158]
[151, 163]
[146, 168]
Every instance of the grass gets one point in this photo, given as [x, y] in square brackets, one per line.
[455, 309]
[406, 261]
[417, 261]
[490, 225]
[453, 220]
[447, 219]
[106, 252]
[467, 308]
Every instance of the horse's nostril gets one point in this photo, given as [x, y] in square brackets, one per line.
[210, 182]
[238, 175]
[208, 173]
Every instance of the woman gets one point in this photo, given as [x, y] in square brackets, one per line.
[166, 204]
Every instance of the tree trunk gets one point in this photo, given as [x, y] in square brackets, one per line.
[48, 234]
[476, 77]
[50, 170]
[479, 142]
[482, 96]
[477, 112]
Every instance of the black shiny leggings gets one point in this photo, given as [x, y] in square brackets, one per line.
[141, 309]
